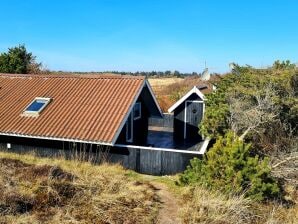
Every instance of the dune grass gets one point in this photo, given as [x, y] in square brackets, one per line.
[55, 190]
[44, 190]
[170, 90]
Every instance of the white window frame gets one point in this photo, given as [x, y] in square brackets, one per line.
[35, 113]
[139, 105]
[129, 119]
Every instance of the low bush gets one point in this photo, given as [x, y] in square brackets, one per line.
[228, 166]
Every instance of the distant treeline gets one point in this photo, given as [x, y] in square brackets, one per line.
[141, 73]
[157, 73]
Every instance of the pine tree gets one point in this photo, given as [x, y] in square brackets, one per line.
[229, 167]
[18, 60]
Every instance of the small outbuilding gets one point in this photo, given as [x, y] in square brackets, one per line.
[188, 113]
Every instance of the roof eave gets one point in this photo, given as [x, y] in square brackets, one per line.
[127, 114]
[154, 98]
[56, 139]
[182, 99]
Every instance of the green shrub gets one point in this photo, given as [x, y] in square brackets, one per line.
[229, 167]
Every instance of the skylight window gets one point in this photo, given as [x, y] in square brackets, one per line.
[37, 105]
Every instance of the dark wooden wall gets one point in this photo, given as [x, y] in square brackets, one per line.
[140, 126]
[153, 162]
[179, 118]
[163, 162]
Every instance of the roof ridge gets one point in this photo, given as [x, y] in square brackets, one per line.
[82, 76]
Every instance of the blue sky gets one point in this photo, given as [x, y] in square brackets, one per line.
[148, 35]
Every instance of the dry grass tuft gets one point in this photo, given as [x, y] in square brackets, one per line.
[71, 192]
[160, 82]
[202, 206]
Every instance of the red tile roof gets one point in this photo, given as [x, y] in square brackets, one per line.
[83, 108]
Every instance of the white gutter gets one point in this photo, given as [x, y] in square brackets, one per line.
[203, 148]
[200, 152]
[57, 139]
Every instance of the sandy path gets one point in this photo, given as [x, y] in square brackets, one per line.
[169, 211]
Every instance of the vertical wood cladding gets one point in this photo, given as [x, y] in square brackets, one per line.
[140, 126]
[179, 120]
[154, 162]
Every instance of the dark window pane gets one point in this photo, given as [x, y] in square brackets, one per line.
[137, 111]
[36, 106]
[129, 129]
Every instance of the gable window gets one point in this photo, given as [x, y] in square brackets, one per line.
[137, 111]
[36, 106]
